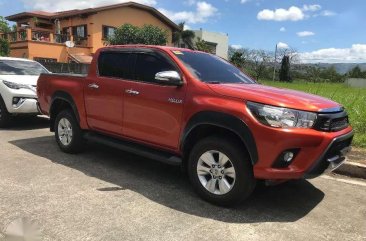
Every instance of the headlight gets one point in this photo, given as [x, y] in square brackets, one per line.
[15, 86]
[281, 117]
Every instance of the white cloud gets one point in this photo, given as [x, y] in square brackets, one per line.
[61, 5]
[281, 14]
[190, 2]
[355, 54]
[327, 13]
[244, 1]
[203, 12]
[186, 27]
[311, 8]
[282, 29]
[236, 46]
[305, 33]
[282, 45]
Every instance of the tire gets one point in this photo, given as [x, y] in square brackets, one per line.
[230, 187]
[68, 134]
[4, 114]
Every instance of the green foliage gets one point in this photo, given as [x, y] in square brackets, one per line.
[237, 59]
[202, 45]
[4, 25]
[356, 72]
[285, 69]
[130, 34]
[183, 36]
[4, 47]
[353, 99]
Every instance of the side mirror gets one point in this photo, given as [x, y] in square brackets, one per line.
[169, 78]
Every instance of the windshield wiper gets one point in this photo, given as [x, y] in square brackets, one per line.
[213, 82]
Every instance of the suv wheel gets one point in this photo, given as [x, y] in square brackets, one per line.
[4, 114]
[68, 134]
[220, 171]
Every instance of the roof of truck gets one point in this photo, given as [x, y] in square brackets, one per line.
[149, 46]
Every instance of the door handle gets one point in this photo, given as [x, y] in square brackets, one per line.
[132, 92]
[93, 86]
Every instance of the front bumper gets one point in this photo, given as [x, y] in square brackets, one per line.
[29, 106]
[333, 157]
[27, 103]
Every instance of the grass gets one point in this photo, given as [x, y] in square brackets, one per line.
[353, 99]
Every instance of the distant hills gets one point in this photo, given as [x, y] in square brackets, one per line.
[342, 68]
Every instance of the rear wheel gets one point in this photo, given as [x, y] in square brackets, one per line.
[4, 114]
[220, 171]
[68, 134]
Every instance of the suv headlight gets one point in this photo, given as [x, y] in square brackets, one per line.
[15, 86]
[281, 117]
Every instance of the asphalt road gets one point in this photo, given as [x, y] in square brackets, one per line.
[105, 194]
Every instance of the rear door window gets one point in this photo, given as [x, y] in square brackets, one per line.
[115, 64]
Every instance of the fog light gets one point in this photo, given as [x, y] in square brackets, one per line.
[17, 101]
[285, 158]
[288, 156]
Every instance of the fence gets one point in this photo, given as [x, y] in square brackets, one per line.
[72, 68]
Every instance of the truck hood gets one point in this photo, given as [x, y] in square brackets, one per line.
[21, 79]
[274, 96]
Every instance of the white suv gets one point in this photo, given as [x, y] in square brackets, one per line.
[18, 82]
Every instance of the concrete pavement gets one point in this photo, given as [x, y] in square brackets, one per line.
[105, 194]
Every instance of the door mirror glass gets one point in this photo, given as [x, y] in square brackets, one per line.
[169, 78]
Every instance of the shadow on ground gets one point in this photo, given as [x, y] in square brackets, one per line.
[167, 186]
[23, 123]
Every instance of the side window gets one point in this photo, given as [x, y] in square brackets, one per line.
[148, 64]
[114, 64]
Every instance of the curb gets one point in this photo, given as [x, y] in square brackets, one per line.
[352, 169]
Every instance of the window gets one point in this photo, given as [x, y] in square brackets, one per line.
[80, 31]
[148, 64]
[114, 64]
[108, 31]
[44, 60]
[18, 67]
[210, 68]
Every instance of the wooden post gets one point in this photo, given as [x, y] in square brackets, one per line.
[29, 34]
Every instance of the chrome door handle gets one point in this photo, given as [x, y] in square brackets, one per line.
[93, 86]
[132, 92]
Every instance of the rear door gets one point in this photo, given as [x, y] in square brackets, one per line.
[104, 94]
[152, 111]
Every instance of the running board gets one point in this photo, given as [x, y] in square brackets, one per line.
[135, 148]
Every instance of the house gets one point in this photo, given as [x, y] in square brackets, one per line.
[42, 35]
[218, 42]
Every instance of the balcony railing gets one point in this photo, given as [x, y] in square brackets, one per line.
[43, 36]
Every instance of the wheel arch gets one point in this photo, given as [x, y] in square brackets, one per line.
[205, 123]
[61, 100]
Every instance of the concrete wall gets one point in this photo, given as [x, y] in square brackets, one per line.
[222, 41]
[356, 82]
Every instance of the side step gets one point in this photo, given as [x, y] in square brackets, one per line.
[135, 148]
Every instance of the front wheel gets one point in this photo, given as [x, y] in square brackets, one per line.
[68, 134]
[220, 171]
[4, 114]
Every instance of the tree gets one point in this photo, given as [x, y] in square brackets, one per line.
[237, 59]
[4, 47]
[356, 73]
[4, 43]
[259, 60]
[202, 45]
[285, 69]
[183, 36]
[4, 25]
[130, 34]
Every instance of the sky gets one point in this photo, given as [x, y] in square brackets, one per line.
[320, 30]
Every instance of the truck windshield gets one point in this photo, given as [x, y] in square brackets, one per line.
[212, 69]
[16, 67]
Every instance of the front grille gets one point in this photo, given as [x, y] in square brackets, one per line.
[331, 122]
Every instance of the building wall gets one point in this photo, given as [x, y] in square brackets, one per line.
[114, 18]
[356, 82]
[222, 41]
